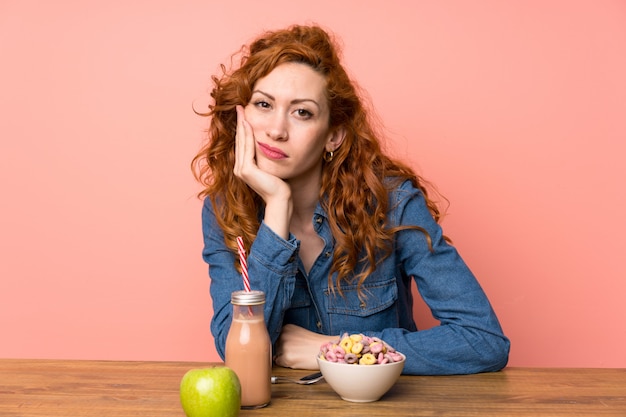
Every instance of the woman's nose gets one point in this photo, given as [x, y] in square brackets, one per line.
[276, 128]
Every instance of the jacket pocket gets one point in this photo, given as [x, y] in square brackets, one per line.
[375, 310]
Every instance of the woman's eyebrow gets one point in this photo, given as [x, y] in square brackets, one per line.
[294, 101]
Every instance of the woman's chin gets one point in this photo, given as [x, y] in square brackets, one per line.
[272, 168]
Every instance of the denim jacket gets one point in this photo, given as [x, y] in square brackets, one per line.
[469, 338]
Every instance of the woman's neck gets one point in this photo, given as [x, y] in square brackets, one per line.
[305, 197]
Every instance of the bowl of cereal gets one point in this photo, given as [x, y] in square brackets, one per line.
[360, 368]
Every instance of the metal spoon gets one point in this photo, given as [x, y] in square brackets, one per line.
[305, 380]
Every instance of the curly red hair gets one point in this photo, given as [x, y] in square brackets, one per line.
[357, 209]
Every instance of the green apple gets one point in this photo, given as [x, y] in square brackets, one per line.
[210, 392]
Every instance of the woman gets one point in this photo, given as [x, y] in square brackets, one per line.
[336, 230]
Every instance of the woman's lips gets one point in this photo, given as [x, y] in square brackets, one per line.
[270, 152]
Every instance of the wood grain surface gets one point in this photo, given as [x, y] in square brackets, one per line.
[105, 388]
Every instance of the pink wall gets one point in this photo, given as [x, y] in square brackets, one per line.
[515, 109]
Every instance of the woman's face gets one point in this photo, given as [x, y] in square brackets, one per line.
[289, 115]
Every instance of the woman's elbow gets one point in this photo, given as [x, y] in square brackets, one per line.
[496, 356]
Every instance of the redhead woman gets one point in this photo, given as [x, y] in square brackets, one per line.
[336, 230]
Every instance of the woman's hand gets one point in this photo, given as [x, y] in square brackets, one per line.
[274, 191]
[266, 185]
[297, 347]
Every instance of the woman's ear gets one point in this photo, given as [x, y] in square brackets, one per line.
[335, 139]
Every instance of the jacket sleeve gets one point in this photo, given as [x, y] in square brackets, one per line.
[272, 267]
[469, 338]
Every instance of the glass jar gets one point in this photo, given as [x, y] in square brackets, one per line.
[249, 349]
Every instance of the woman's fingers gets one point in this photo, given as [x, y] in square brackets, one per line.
[245, 162]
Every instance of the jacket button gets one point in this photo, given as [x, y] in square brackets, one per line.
[292, 258]
[319, 325]
[319, 220]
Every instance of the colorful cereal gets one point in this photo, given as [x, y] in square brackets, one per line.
[360, 350]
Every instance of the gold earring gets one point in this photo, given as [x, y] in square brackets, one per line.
[328, 156]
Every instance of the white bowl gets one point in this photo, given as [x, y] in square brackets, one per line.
[361, 383]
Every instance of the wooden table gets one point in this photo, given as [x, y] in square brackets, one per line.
[103, 388]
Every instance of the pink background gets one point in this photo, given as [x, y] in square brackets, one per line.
[515, 109]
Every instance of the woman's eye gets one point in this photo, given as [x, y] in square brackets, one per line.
[303, 113]
[262, 104]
